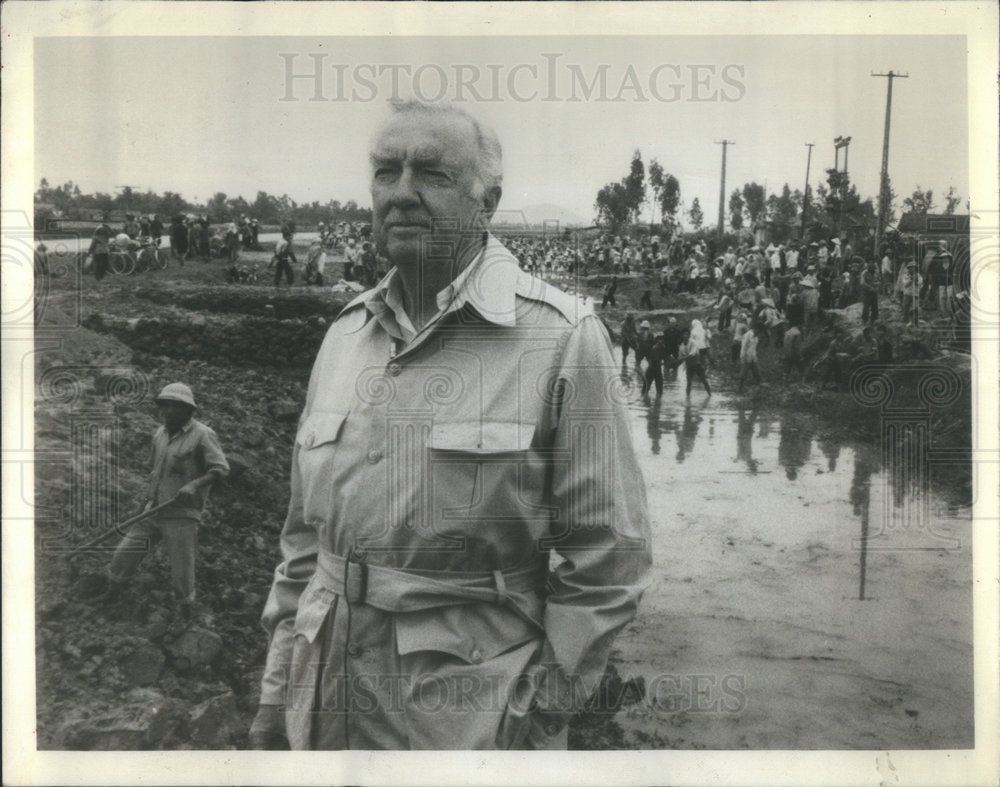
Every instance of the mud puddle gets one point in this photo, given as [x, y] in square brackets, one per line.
[807, 592]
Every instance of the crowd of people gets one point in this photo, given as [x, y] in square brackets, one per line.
[778, 298]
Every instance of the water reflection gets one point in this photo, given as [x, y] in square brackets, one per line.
[653, 425]
[794, 446]
[744, 438]
[687, 432]
[887, 489]
[866, 463]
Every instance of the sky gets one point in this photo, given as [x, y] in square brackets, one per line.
[208, 114]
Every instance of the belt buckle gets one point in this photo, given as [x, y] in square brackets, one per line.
[356, 591]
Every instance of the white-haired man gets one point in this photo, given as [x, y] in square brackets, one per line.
[468, 529]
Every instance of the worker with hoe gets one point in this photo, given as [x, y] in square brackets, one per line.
[186, 461]
[468, 529]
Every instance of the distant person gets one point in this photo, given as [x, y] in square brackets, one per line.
[350, 259]
[740, 326]
[131, 226]
[870, 286]
[178, 238]
[155, 230]
[793, 351]
[629, 337]
[284, 256]
[646, 301]
[748, 358]
[939, 274]
[884, 346]
[232, 242]
[656, 356]
[609, 292]
[315, 263]
[100, 251]
[644, 342]
[910, 284]
[693, 366]
[186, 461]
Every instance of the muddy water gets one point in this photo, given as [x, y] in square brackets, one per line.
[805, 594]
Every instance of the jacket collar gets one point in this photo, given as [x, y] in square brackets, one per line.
[488, 285]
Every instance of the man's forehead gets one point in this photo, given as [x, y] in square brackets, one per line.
[426, 137]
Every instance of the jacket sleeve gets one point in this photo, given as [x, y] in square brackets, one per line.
[601, 533]
[298, 551]
[299, 547]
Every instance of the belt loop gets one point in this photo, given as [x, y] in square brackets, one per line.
[502, 597]
[362, 583]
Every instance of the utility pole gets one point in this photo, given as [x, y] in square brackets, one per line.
[883, 192]
[805, 194]
[838, 143]
[722, 186]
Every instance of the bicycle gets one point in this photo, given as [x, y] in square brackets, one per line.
[150, 258]
[121, 262]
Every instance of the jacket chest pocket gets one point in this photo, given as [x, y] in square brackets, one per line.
[316, 444]
[483, 475]
[182, 464]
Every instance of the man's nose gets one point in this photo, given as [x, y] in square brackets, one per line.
[406, 190]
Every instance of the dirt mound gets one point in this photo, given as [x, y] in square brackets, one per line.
[250, 300]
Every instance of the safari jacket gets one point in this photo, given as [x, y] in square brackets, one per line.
[468, 526]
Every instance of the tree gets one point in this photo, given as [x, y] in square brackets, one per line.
[695, 214]
[670, 199]
[216, 207]
[920, 201]
[612, 206]
[635, 186]
[656, 184]
[781, 211]
[952, 199]
[736, 210]
[753, 203]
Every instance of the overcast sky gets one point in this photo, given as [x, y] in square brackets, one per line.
[201, 115]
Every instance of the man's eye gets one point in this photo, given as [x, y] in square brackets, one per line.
[384, 174]
[438, 176]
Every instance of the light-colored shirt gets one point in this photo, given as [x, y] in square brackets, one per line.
[179, 459]
[491, 440]
[748, 347]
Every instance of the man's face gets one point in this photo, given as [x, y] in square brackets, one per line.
[175, 414]
[423, 186]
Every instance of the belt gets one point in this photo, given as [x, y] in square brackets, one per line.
[400, 590]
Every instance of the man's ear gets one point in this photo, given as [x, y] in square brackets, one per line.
[491, 199]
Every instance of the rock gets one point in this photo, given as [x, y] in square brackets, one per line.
[285, 411]
[214, 724]
[142, 665]
[194, 647]
[238, 465]
[148, 721]
[254, 438]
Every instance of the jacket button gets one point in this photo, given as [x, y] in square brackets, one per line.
[374, 456]
[551, 728]
[395, 369]
[476, 657]
[353, 650]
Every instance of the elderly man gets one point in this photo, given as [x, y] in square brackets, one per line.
[186, 461]
[467, 530]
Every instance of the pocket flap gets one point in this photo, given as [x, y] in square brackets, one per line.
[314, 605]
[482, 436]
[320, 428]
[472, 632]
